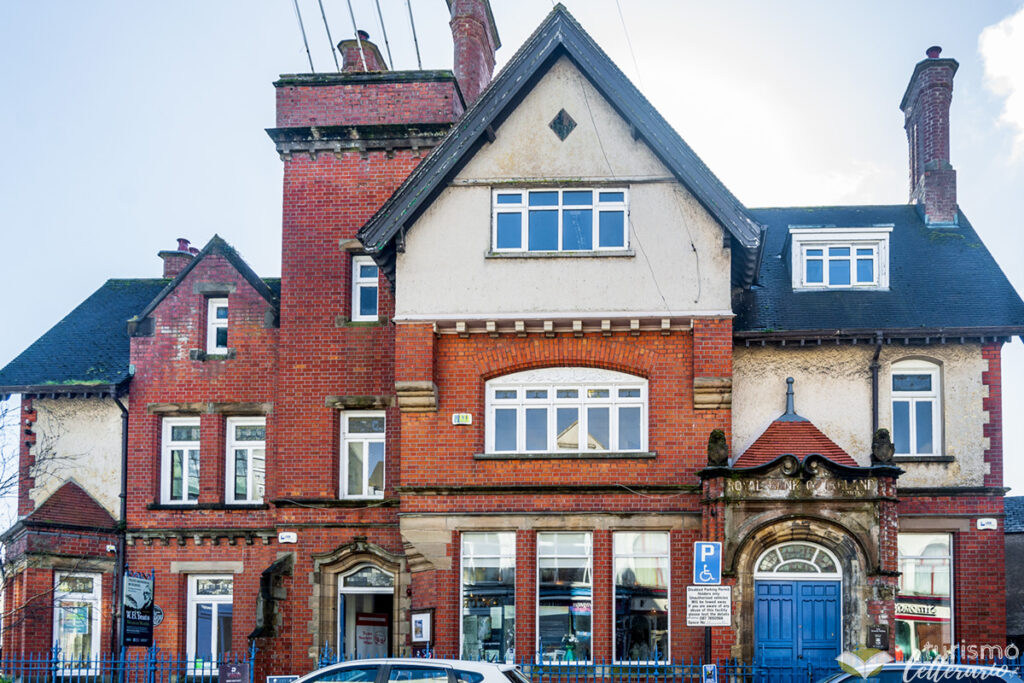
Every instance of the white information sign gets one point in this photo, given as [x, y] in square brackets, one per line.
[708, 606]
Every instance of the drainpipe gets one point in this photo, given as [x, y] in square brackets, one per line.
[874, 383]
[117, 632]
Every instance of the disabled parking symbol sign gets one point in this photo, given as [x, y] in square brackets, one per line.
[707, 563]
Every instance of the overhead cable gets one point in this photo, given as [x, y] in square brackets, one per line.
[384, 32]
[419, 63]
[359, 40]
[298, 15]
[329, 39]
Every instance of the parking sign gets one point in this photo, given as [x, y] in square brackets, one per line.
[707, 563]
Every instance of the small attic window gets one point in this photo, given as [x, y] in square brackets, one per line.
[217, 326]
[827, 258]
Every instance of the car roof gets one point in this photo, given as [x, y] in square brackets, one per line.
[423, 661]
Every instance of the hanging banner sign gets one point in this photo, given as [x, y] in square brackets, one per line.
[138, 608]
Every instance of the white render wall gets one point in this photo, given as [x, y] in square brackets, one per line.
[444, 271]
[833, 390]
[78, 439]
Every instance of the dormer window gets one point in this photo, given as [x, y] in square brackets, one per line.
[840, 258]
[560, 220]
[217, 326]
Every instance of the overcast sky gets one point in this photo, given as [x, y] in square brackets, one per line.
[129, 124]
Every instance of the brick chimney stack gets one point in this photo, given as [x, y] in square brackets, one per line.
[351, 60]
[925, 107]
[175, 260]
[476, 40]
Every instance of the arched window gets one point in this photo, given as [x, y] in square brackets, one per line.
[797, 560]
[566, 409]
[916, 408]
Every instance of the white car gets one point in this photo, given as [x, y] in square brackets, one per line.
[412, 670]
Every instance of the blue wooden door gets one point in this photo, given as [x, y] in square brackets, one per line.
[796, 625]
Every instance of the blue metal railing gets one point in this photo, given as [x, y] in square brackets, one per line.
[129, 666]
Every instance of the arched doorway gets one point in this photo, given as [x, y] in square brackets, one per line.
[366, 596]
[797, 605]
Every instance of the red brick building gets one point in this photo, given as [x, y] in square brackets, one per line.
[525, 351]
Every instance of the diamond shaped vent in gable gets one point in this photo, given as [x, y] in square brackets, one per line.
[562, 124]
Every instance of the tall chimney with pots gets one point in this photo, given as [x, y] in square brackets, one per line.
[370, 58]
[175, 260]
[925, 107]
[476, 41]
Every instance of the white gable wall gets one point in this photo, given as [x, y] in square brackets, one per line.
[445, 271]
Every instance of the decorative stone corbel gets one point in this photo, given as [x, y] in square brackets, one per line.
[712, 393]
[416, 397]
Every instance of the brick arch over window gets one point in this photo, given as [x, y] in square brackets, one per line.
[617, 355]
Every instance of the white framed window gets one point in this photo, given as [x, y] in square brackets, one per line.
[180, 460]
[566, 409]
[246, 459]
[209, 618]
[840, 258]
[488, 596]
[564, 599]
[560, 220]
[916, 408]
[641, 595]
[362, 454]
[217, 325]
[77, 603]
[364, 289]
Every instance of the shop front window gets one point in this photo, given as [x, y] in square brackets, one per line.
[488, 596]
[565, 603]
[641, 596]
[924, 608]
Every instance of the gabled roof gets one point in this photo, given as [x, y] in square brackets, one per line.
[559, 35]
[87, 351]
[940, 280]
[1014, 509]
[218, 246]
[792, 438]
[70, 505]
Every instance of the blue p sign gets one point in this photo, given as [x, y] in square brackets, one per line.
[707, 563]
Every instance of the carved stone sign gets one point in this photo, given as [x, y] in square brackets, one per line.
[800, 488]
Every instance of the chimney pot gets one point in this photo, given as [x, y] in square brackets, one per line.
[183, 244]
[193, 250]
[352, 61]
[933, 52]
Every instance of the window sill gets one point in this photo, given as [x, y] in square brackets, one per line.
[200, 355]
[843, 288]
[568, 455]
[334, 502]
[924, 458]
[611, 253]
[207, 506]
[343, 321]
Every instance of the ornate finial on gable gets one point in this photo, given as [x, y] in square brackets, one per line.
[790, 414]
